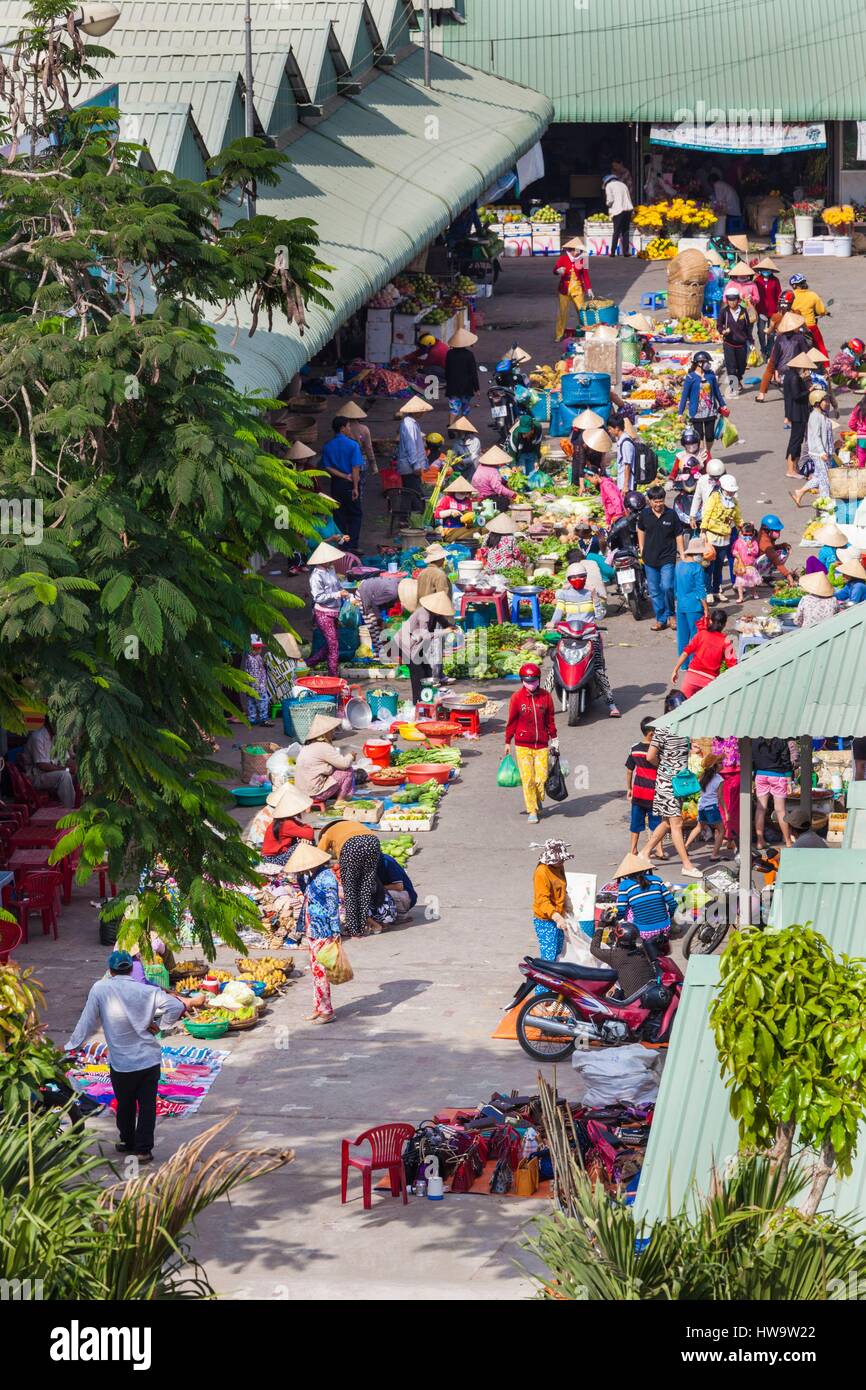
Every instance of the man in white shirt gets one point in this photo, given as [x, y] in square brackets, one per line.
[620, 207]
[726, 198]
[130, 1015]
[44, 772]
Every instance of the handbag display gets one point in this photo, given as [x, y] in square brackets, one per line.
[526, 1182]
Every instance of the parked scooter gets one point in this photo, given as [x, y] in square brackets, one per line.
[576, 1010]
[625, 558]
[503, 412]
[574, 664]
[684, 496]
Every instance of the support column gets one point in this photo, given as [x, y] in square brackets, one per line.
[745, 913]
[806, 779]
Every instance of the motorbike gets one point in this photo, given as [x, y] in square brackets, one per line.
[625, 558]
[504, 412]
[576, 1009]
[684, 495]
[574, 665]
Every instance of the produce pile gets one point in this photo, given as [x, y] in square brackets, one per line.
[545, 214]
[507, 648]
[661, 248]
[400, 847]
[428, 755]
[694, 330]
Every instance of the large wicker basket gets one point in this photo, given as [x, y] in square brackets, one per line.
[256, 764]
[848, 482]
[684, 301]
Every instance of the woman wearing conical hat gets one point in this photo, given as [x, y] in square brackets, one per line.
[461, 373]
[327, 593]
[319, 919]
[322, 771]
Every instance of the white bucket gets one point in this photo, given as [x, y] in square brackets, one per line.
[784, 244]
[804, 227]
[468, 571]
[842, 245]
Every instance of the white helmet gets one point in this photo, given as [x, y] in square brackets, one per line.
[728, 483]
[576, 569]
[715, 468]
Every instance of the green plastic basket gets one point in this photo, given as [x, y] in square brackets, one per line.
[206, 1030]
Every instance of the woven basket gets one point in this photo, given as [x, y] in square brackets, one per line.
[303, 712]
[307, 405]
[298, 428]
[685, 301]
[256, 764]
[241, 1025]
[848, 482]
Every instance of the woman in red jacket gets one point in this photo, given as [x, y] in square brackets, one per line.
[708, 649]
[285, 830]
[532, 729]
[768, 298]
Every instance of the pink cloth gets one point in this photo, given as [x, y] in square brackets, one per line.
[487, 482]
[327, 623]
[857, 423]
[611, 498]
[321, 983]
[340, 788]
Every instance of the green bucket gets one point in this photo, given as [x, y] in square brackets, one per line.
[383, 703]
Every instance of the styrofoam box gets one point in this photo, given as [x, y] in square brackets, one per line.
[517, 246]
[818, 246]
[379, 317]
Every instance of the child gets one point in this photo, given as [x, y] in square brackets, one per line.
[745, 553]
[709, 815]
[255, 664]
[640, 785]
[857, 423]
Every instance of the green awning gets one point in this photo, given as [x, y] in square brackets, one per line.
[692, 1130]
[659, 62]
[810, 683]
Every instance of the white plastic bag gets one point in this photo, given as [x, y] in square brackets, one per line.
[576, 948]
[278, 768]
[630, 1073]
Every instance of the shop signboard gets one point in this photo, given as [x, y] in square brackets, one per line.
[741, 132]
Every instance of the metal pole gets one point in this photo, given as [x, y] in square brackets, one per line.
[427, 82]
[806, 779]
[745, 832]
[248, 95]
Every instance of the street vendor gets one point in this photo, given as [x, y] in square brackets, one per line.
[502, 548]
[378, 592]
[574, 286]
[463, 441]
[429, 356]
[321, 771]
[584, 459]
[770, 552]
[285, 830]
[455, 502]
[619, 946]
[461, 374]
[319, 919]
[433, 579]
[487, 478]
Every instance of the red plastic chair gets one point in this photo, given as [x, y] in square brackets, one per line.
[70, 863]
[11, 936]
[24, 790]
[39, 892]
[386, 1144]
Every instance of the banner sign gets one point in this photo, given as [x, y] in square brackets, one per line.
[746, 137]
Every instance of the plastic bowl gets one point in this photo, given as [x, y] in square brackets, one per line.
[206, 1030]
[438, 731]
[251, 796]
[428, 772]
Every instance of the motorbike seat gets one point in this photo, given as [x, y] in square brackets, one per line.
[568, 971]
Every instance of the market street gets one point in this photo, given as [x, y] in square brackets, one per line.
[413, 1028]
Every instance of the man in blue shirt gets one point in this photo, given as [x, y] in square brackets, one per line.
[343, 461]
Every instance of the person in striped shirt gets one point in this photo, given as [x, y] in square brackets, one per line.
[640, 785]
[643, 896]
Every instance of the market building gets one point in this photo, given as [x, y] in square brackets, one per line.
[381, 163]
[768, 93]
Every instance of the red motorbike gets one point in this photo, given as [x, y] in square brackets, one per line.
[574, 663]
[576, 1009]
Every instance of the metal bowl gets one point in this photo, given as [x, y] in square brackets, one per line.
[526, 589]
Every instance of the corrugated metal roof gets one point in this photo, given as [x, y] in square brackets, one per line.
[692, 1130]
[855, 826]
[658, 62]
[166, 132]
[213, 96]
[394, 19]
[804, 683]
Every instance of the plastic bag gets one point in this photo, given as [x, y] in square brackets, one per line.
[556, 786]
[630, 1073]
[336, 963]
[350, 614]
[730, 434]
[509, 773]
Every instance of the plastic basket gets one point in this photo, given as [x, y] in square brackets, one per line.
[206, 1030]
[298, 714]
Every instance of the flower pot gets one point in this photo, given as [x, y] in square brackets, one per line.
[842, 245]
[804, 226]
[784, 244]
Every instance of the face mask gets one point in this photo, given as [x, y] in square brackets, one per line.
[728, 499]
[577, 584]
[531, 685]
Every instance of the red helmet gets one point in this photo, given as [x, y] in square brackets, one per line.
[856, 345]
[529, 671]
[786, 297]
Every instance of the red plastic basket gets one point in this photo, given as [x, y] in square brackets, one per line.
[324, 685]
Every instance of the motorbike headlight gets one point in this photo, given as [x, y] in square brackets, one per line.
[573, 652]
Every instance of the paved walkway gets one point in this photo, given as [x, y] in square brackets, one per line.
[413, 1032]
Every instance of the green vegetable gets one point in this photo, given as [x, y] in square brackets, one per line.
[429, 755]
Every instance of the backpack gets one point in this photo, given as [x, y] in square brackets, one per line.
[646, 464]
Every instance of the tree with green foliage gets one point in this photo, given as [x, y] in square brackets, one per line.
[788, 1023]
[145, 476]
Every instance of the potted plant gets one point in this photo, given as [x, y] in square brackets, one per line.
[804, 220]
[785, 234]
[840, 224]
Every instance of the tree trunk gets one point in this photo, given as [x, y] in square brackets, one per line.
[780, 1154]
[821, 1174]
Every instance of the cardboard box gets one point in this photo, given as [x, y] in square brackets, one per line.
[377, 344]
[403, 328]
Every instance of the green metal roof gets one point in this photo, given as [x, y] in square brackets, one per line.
[692, 1129]
[627, 62]
[171, 136]
[804, 683]
[855, 826]
[215, 98]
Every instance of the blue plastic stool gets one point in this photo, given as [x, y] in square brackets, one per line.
[479, 615]
[534, 619]
[656, 300]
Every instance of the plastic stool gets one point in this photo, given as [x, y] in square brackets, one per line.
[427, 711]
[472, 598]
[469, 720]
[656, 300]
[534, 619]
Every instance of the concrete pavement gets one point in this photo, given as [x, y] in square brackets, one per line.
[413, 1031]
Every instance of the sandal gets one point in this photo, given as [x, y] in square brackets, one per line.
[325, 1018]
[658, 627]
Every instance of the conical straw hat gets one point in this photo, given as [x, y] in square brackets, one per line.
[501, 525]
[789, 322]
[574, 243]
[435, 552]
[712, 257]
[461, 423]
[289, 643]
[463, 338]
[849, 564]
[634, 864]
[765, 264]
[741, 243]
[351, 411]
[321, 725]
[817, 584]
[305, 857]
[817, 356]
[460, 486]
[299, 452]
[801, 360]
[588, 420]
[598, 440]
[741, 268]
[440, 604]
[288, 801]
[325, 554]
[517, 354]
[640, 322]
[414, 406]
[496, 457]
[831, 535]
[407, 593]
